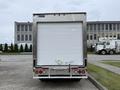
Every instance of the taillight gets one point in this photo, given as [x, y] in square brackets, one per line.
[79, 71]
[83, 71]
[39, 70]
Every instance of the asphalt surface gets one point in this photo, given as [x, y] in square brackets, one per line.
[16, 74]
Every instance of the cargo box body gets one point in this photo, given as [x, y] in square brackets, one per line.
[59, 45]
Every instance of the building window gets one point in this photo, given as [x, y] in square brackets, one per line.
[114, 26]
[26, 28]
[91, 27]
[106, 27]
[94, 27]
[18, 37]
[110, 26]
[98, 26]
[91, 37]
[30, 37]
[22, 27]
[26, 37]
[87, 37]
[102, 26]
[118, 27]
[87, 28]
[22, 37]
[95, 36]
[30, 27]
[118, 36]
[18, 27]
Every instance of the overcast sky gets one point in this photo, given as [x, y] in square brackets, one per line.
[22, 10]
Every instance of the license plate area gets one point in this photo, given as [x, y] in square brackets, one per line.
[59, 72]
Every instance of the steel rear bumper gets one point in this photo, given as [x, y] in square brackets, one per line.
[59, 77]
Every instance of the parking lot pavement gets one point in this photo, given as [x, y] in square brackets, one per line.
[16, 74]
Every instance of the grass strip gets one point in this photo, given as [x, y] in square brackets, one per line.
[106, 78]
[113, 63]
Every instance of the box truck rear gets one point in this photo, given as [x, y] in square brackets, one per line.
[59, 45]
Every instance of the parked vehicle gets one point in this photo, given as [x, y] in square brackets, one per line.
[108, 46]
[59, 46]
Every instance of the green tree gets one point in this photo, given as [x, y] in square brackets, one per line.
[11, 48]
[1, 47]
[30, 48]
[6, 47]
[26, 48]
[16, 48]
[21, 48]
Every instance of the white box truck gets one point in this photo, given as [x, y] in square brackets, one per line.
[107, 45]
[59, 45]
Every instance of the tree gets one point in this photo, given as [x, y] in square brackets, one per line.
[16, 48]
[1, 47]
[30, 48]
[26, 48]
[11, 48]
[6, 47]
[21, 48]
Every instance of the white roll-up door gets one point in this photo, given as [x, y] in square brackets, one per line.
[59, 44]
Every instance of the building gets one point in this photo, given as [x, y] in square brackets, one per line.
[95, 30]
[98, 29]
[23, 33]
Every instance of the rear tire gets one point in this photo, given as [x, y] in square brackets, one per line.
[111, 52]
[103, 52]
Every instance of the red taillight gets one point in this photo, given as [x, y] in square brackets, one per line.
[79, 70]
[39, 70]
[83, 71]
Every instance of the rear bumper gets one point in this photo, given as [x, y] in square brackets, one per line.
[60, 73]
[60, 77]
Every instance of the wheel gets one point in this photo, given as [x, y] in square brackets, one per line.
[103, 52]
[111, 52]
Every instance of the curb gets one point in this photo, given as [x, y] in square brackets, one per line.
[96, 83]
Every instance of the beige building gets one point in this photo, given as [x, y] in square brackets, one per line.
[23, 32]
[97, 29]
